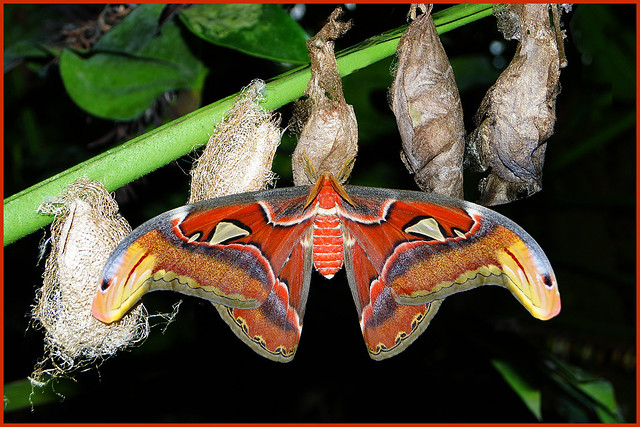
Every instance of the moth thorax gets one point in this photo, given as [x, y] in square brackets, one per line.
[327, 243]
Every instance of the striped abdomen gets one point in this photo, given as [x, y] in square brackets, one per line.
[327, 243]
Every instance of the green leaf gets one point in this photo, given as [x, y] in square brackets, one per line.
[601, 391]
[529, 394]
[137, 31]
[25, 36]
[131, 66]
[115, 86]
[263, 30]
[587, 392]
[23, 50]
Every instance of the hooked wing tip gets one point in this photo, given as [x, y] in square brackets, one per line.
[100, 310]
[550, 308]
[545, 313]
[540, 297]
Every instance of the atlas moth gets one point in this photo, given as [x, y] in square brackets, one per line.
[252, 255]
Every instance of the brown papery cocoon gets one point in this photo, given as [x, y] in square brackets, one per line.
[239, 154]
[425, 100]
[86, 228]
[517, 115]
[329, 137]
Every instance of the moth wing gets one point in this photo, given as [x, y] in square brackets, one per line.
[387, 326]
[229, 250]
[426, 247]
[273, 329]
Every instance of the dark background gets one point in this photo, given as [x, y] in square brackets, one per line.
[584, 219]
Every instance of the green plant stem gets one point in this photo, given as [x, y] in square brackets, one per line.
[139, 156]
[22, 394]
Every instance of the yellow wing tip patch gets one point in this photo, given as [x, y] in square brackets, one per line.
[545, 313]
[111, 304]
[543, 304]
[535, 287]
[105, 316]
